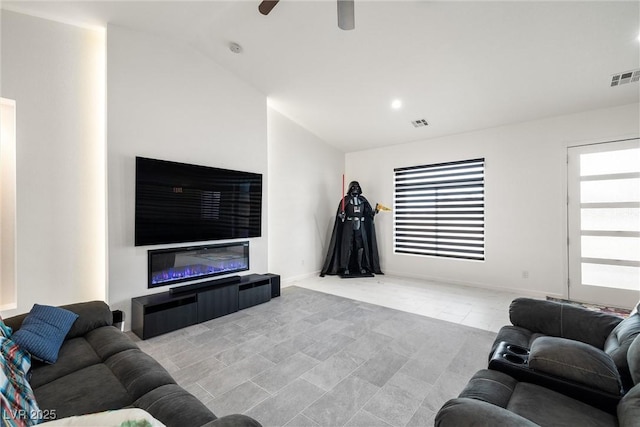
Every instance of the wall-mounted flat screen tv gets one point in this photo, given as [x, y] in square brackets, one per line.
[179, 202]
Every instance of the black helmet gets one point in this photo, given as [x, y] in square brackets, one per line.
[354, 188]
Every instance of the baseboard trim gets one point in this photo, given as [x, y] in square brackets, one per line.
[289, 281]
[518, 291]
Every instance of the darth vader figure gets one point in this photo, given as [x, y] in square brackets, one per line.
[353, 248]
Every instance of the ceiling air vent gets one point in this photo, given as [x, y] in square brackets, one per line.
[419, 123]
[625, 77]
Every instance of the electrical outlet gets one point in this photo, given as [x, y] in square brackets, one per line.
[525, 274]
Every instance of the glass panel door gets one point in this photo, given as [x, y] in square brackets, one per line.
[604, 223]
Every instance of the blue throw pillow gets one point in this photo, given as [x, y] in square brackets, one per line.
[43, 330]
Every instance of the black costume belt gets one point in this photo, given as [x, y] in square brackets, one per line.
[351, 218]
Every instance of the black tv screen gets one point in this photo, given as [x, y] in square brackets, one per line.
[179, 202]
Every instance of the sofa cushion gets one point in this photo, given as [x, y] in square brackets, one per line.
[470, 412]
[167, 403]
[92, 389]
[535, 403]
[75, 354]
[233, 420]
[618, 343]
[546, 407]
[108, 340]
[138, 372]
[43, 331]
[490, 386]
[575, 361]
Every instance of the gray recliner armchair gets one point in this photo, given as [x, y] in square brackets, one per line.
[493, 398]
[580, 346]
[557, 364]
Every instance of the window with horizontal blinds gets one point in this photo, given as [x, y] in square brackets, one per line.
[439, 210]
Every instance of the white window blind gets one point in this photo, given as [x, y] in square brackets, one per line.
[439, 210]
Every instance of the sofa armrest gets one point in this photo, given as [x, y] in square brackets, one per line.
[563, 320]
[575, 361]
[464, 411]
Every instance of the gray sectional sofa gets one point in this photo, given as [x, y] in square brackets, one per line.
[100, 368]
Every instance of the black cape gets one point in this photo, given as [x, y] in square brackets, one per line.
[340, 242]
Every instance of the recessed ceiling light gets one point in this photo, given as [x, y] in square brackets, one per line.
[235, 47]
[396, 104]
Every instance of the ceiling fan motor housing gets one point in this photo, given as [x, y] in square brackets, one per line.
[346, 15]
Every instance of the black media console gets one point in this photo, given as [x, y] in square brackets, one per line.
[156, 314]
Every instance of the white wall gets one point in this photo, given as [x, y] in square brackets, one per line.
[525, 197]
[305, 177]
[53, 73]
[8, 284]
[167, 101]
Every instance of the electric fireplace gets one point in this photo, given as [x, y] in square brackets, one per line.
[175, 265]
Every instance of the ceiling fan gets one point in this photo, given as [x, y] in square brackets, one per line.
[346, 18]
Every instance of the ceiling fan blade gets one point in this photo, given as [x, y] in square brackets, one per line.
[346, 16]
[266, 6]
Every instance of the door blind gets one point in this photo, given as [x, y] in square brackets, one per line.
[439, 210]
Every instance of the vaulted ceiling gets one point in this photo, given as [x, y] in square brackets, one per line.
[461, 66]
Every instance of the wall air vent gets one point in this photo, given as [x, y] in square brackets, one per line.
[625, 77]
[419, 123]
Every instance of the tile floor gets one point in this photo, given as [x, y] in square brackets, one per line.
[479, 308]
[389, 355]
